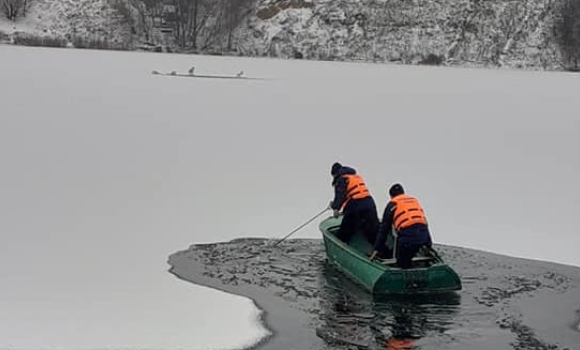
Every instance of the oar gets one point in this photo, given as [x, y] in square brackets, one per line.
[301, 226]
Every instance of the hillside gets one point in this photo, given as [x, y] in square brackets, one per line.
[87, 19]
[464, 32]
[497, 33]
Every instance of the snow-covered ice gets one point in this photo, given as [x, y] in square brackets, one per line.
[108, 169]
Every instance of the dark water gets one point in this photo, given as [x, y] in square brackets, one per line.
[352, 316]
[310, 304]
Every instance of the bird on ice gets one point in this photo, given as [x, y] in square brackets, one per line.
[239, 75]
[191, 70]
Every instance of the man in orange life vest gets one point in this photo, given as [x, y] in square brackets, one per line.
[406, 215]
[359, 209]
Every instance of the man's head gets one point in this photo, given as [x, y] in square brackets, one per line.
[395, 190]
[335, 169]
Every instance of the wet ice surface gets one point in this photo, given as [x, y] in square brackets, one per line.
[107, 169]
[311, 305]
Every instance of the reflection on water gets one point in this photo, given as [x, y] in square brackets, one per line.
[353, 317]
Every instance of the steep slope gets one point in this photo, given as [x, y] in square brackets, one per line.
[496, 33]
[462, 32]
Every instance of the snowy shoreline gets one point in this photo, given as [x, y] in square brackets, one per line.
[261, 317]
[282, 321]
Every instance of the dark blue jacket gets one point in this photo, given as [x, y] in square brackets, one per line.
[339, 184]
[415, 234]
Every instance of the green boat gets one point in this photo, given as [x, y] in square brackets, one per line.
[429, 273]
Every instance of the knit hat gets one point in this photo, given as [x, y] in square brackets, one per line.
[396, 190]
[335, 168]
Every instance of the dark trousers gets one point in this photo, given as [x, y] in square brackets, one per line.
[365, 221]
[409, 242]
[405, 254]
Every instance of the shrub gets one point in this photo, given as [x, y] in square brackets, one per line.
[567, 31]
[39, 40]
[97, 44]
[432, 59]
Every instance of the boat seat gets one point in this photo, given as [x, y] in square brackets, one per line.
[394, 260]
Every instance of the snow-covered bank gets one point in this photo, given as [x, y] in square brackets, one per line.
[495, 33]
[108, 169]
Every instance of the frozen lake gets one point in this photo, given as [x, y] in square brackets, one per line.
[107, 170]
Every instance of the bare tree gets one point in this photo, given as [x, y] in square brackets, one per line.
[191, 16]
[567, 31]
[511, 26]
[196, 24]
[14, 8]
[214, 27]
[234, 12]
[185, 18]
[148, 11]
[220, 20]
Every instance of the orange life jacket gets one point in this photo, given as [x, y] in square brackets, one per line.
[408, 212]
[355, 188]
[400, 344]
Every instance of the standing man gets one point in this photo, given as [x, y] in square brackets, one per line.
[353, 197]
[406, 216]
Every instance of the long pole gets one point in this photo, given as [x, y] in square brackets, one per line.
[301, 226]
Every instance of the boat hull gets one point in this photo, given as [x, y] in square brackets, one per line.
[378, 278]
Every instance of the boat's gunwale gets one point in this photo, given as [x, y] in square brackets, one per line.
[354, 252]
[380, 268]
[363, 258]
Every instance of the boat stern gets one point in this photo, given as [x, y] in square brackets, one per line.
[437, 278]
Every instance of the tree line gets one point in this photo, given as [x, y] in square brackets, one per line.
[196, 24]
